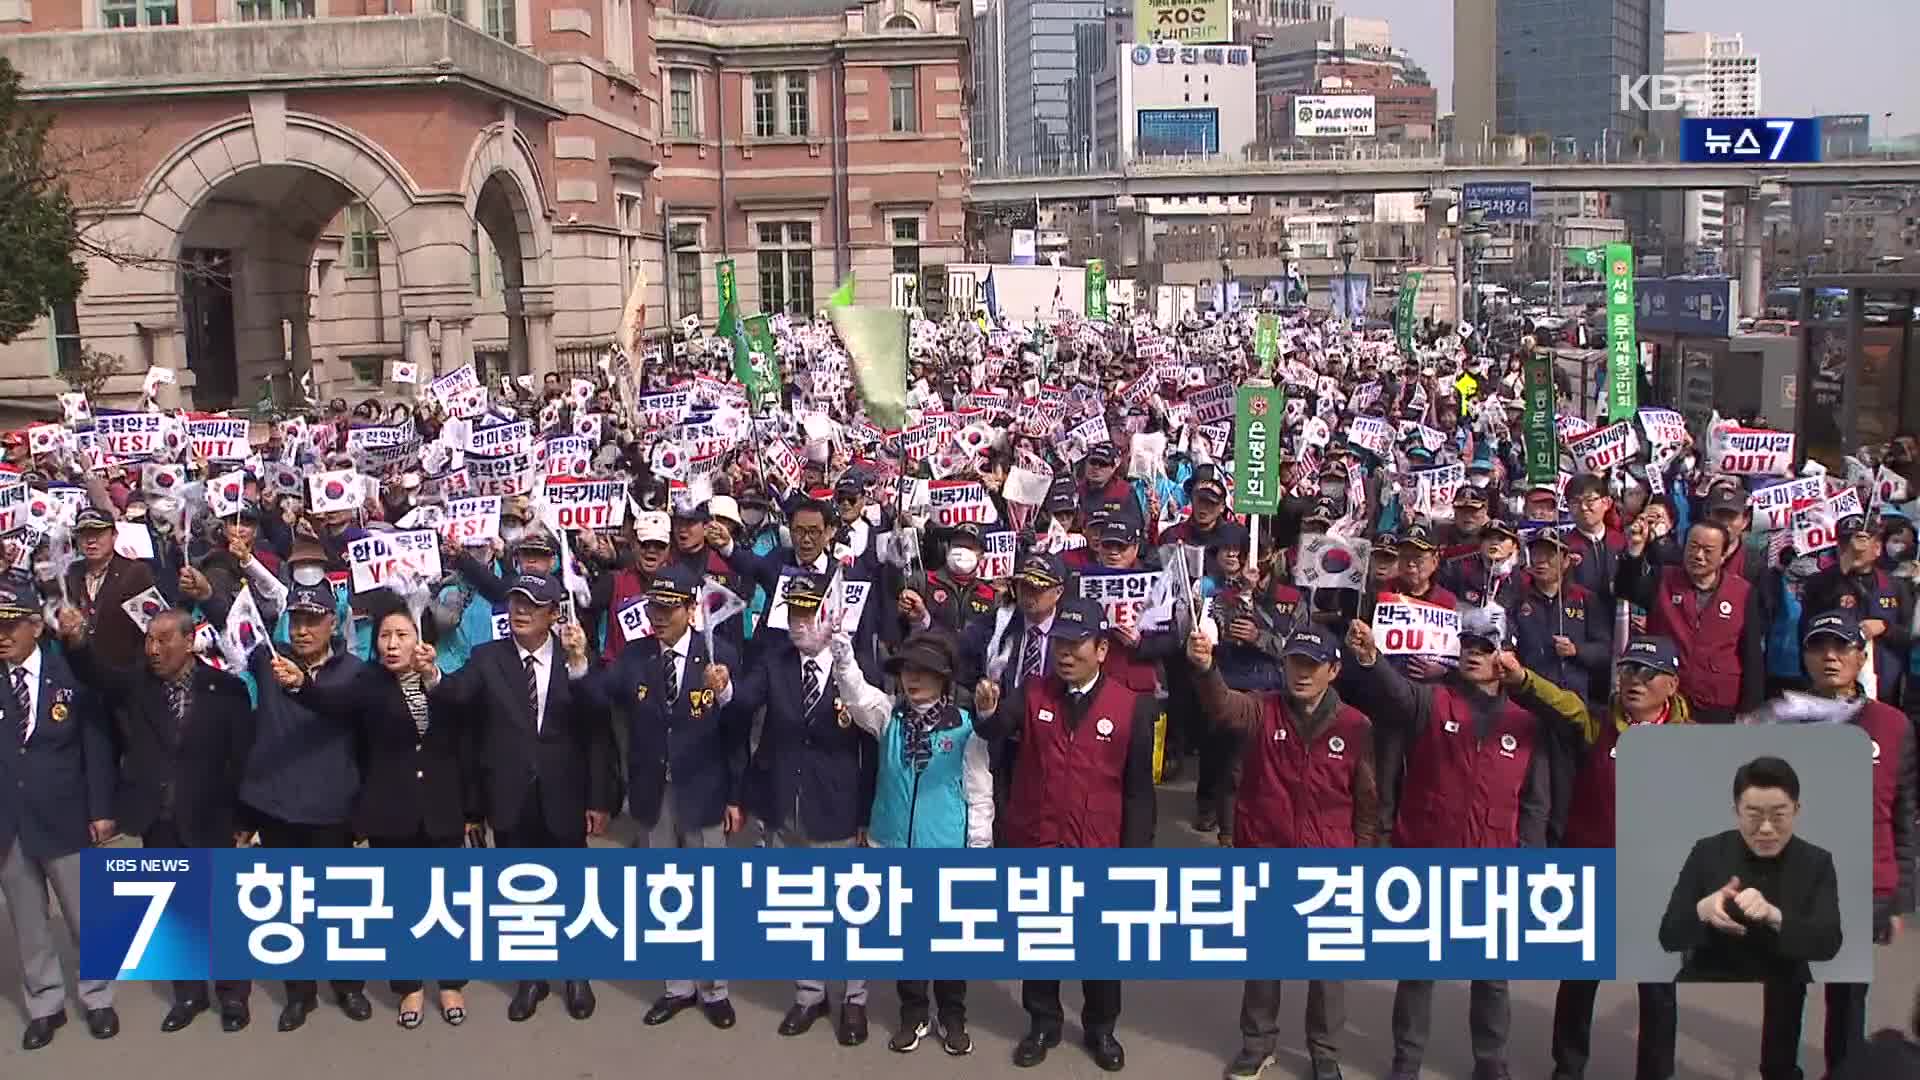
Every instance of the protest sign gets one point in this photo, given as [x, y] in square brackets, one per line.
[1403, 626]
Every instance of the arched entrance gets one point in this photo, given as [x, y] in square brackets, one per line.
[506, 201]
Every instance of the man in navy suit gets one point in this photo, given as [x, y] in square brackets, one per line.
[813, 526]
[811, 778]
[546, 764]
[686, 747]
[56, 798]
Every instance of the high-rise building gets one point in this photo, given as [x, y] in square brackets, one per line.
[1553, 68]
[1345, 55]
[989, 103]
[1732, 89]
[1043, 58]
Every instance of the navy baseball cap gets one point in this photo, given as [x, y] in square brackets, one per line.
[19, 599]
[673, 584]
[1851, 525]
[967, 533]
[319, 599]
[1042, 570]
[1103, 454]
[849, 486]
[1653, 653]
[539, 588]
[1078, 619]
[1313, 643]
[1062, 498]
[1119, 529]
[1840, 624]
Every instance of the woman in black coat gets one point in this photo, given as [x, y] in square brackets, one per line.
[418, 775]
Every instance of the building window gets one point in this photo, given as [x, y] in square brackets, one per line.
[901, 24]
[799, 105]
[903, 101]
[686, 269]
[906, 246]
[498, 20]
[264, 10]
[680, 103]
[363, 245]
[766, 115]
[785, 261]
[115, 14]
[366, 370]
[63, 329]
[455, 8]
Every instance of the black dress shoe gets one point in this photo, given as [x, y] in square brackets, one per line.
[40, 1030]
[666, 1007]
[1106, 1051]
[852, 1030]
[355, 1004]
[580, 999]
[801, 1017]
[182, 1014]
[1032, 1050]
[526, 998]
[293, 1015]
[103, 1023]
[234, 1016]
[719, 1013]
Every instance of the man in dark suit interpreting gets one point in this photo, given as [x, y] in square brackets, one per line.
[1755, 903]
[686, 748]
[546, 767]
[185, 732]
[56, 798]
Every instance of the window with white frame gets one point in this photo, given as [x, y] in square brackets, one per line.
[781, 104]
[455, 8]
[785, 260]
[363, 242]
[267, 10]
[63, 331]
[118, 14]
[685, 237]
[799, 103]
[766, 104]
[680, 108]
[906, 245]
[498, 19]
[903, 98]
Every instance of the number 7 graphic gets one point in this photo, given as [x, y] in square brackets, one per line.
[1785, 128]
[157, 894]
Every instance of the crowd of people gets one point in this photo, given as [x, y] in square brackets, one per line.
[788, 625]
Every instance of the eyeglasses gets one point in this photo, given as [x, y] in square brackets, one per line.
[1778, 816]
[1588, 502]
[807, 530]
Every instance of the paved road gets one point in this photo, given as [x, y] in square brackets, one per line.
[1186, 1030]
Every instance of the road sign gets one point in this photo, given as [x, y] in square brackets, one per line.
[1504, 201]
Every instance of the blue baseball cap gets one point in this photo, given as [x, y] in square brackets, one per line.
[1078, 619]
[1313, 643]
[1840, 624]
[542, 589]
[1653, 653]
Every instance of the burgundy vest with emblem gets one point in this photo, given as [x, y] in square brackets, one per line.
[1590, 813]
[1708, 638]
[1887, 727]
[1295, 793]
[1068, 782]
[1463, 792]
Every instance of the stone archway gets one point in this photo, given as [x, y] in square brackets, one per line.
[506, 200]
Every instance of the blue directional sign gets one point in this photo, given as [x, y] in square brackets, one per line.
[1750, 141]
[1505, 201]
[1693, 307]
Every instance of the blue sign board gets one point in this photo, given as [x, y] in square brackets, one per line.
[1505, 201]
[1177, 131]
[1752, 141]
[1694, 307]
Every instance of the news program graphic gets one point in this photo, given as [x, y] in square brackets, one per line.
[1750, 141]
[147, 912]
[835, 914]
[1677, 813]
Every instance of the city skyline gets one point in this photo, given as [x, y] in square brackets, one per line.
[1796, 53]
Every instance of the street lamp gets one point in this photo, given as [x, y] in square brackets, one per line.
[1349, 246]
[1286, 268]
[1476, 236]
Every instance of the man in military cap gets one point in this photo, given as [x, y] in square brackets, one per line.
[1856, 584]
[100, 582]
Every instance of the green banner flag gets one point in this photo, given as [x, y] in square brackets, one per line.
[1266, 342]
[1258, 417]
[1542, 436]
[876, 340]
[1096, 289]
[763, 357]
[1623, 353]
[842, 296]
[1592, 258]
[1403, 313]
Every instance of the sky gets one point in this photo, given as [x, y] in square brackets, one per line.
[1856, 62]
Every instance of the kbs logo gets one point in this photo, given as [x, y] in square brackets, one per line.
[1667, 93]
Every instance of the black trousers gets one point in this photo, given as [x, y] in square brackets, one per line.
[1213, 783]
[275, 833]
[1783, 1010]
[1326, 1017]
[1099, 1011]
[530, 829]
[1573, 1030]
[949, 994]
[166, 834]
[420, 839]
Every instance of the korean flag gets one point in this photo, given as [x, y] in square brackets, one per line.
[226, 494]
[246, 630]
[144, 607]
[405, 372]
[328, 492]
[163, 479]
[78, 411]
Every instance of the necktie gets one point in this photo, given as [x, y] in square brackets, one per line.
[810, 671]
[673, 676]
[533, 688]
[25, 698]
[1034, 659]
[177, 704]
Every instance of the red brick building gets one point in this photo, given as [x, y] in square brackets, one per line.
[293, 185]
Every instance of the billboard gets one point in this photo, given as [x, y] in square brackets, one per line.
[1176, 131]
[1503, 201]
[1845, 133]
[1336, 116]
[1750, 141]
[1188, 22]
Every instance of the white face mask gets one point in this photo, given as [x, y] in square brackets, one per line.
[962, 560]
[309, 574]
[1898, 549]
[1506, 565]
[1480, 481]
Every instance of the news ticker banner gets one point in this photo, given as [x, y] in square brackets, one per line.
[619, 913]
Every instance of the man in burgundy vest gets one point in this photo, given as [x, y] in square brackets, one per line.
[1306, 780]
[1834, 651]
[1472, 780]
[1717, 621]
[1083, 779]
[1649, 679]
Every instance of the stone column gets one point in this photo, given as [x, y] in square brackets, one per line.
[300, 358]
[540, 345]
[1752, 255]
[454, 350]
[419, 346]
